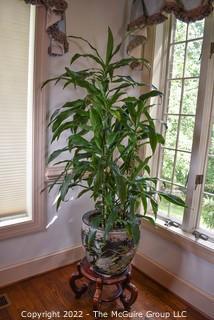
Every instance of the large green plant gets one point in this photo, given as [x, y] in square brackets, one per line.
[105, 130]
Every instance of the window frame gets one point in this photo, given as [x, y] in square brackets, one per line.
[191, 215]
[37, 221]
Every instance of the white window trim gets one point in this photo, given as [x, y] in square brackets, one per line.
[203, 116]
[184, 237]
[21, 226]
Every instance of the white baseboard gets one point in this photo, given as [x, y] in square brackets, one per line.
[199, 299]
[17, 272]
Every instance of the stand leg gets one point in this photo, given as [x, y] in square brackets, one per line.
[97, 298]
[128, 302]
[75, 276]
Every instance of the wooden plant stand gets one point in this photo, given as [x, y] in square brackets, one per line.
[126, 291]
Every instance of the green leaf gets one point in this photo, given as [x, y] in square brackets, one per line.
[91, 238]
[160, 138]
[112, 217]
[111, 138]
[116, 114]
[144, 202]
[96, 221]
[150, 219]
[60, 118]
[75, 104]
[76, 79]
[56, 79]
[82, 192]
[172, 198]
[63, 127]
[91, 56]
[78, 141]
[110, 46]
[154, 206]
[135, 232]
[65, 186]
[151, 94]
[140, 167]
[127, 61]
[122, 86]
[86, 41]
[117, 49]
[79, 156]
[121, 184]
[152, 138]
[56, 153]
[98, 142]
[96, 121]
[54, 114]
[115, 97]
[98, 181]
[120, 44]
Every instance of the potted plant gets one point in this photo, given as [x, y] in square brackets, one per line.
[106, 128]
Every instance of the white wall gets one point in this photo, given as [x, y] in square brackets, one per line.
[89, 19]
[184, 264]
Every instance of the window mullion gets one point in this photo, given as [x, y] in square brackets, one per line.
[162, 81]
[164, 84]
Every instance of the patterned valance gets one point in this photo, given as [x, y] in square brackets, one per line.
[55, 25]
[148, 12]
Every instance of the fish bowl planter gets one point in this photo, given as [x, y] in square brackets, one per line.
[109, 256]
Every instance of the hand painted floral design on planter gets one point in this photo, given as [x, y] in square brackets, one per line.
[110, 256]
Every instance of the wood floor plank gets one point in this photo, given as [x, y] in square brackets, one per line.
[51, 295]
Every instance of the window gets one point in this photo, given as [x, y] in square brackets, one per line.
[185, 164]
[22, 118]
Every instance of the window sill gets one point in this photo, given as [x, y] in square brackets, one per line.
[21, 226]
[201, 248]
[4, 222]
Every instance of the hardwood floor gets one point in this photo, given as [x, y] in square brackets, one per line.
[51, 295]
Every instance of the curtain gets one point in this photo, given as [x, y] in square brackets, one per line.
[151, 12]
[55, 25]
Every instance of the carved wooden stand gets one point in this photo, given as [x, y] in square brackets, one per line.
[122, 282]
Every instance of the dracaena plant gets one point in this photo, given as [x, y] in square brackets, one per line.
[106, 127]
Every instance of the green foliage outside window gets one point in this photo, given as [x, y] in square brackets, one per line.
[183, 76]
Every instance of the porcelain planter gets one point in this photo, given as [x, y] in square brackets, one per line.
[110, 257]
